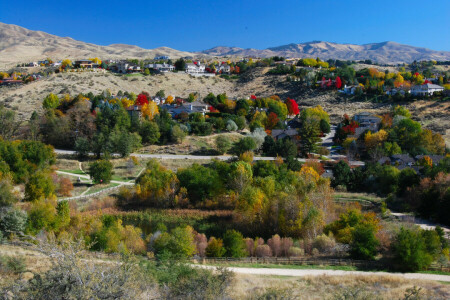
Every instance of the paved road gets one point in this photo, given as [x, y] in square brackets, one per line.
[314, 272]
[173, 156]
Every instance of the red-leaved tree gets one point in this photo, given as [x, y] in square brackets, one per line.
[292, 107]
[338, 82]
[272, 121]
[141, 99]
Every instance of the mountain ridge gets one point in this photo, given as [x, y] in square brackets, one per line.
[19, 45]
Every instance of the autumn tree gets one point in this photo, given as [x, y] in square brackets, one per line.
[65, 187]
[292, 107]
[51, 101]
[150, 110]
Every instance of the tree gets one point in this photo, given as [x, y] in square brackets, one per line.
[243, 145]
[410, 250]
[292, 107]
[51, 101]
[234, 244]
[101, 171]
[149, 131]
[309, 135]
[215, 248]
[150, 110]
[146, 72]
[223, 144]
[141, 99]
[338, 82]
[12, 221]
[169, 99]
[179, 244]
[66, 62]
[341, 174]
[9, 124]
[161, 94]
[364, 243]
[39, 186]
[177, 134]
[65, 187]
[82, 146]
[180, 64]
[7, 197]
[200, 182]
[324, 126]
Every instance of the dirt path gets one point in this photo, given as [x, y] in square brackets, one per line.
[314, 272]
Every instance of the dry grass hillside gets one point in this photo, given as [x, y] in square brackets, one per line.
[27, 98]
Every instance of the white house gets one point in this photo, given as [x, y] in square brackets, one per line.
[195, 68]
[426, 89]
[161, 67]
[224, 68]
[348, 89]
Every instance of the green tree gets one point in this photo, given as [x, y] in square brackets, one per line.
[7, 197]
[177, 134]
[243, 145]
[180, 64]
[342, 174]
[101, 171]
[364, 243]
[410, 251]
[12, 220]
[51, 101]
[161, 94]
[234, 244]
[82, 147]
[9, 124]
[324, 126]
[178, 244]
[309, 135]
[201, 182]
[223, 144]
[149, 131]
[146, 72]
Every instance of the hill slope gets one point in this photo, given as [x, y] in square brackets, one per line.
[18, 44]
[385, 52]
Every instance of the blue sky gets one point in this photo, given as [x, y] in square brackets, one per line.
[194, 25]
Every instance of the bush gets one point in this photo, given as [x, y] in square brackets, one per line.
[12, 264]
[263, 251]
[324, 243]
[12, 221]
[231, 125]
[243, 145]
[177, 134]
[296, 252]
[215, 248]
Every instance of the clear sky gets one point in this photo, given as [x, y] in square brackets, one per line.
[194, 25]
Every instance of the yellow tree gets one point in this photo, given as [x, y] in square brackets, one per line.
[150, 110]
[373, 72]
[398, 80]
[169, 99]
[126, 102]
[374, 140]
[96, 60]
[66, 62]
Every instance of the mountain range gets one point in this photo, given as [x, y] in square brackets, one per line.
[19, 45]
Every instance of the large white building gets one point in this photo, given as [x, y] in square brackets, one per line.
[426, 89]
[195, 68]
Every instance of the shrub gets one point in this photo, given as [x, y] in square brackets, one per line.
[315, 252]
[263, 251]
[12, 221]
[296, 252]
[215, 248]
[231, 125]
[243, 145]
[324, 243]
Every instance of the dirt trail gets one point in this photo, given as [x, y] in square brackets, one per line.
[315, 272]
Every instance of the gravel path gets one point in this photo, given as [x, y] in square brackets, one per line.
[314, 272]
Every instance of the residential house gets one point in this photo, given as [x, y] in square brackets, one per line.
[367, 121]
[400, 91]
[134, 111]
[85, 63]
[426, 89]
[195, 68]
[189, 108]
[349, 89]
[223, 68]
[161, 57]
[10, 81]
[161, 67]
[279, 134]
[33, 64]
[126, 67]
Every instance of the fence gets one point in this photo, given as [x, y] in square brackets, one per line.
[87, 196]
